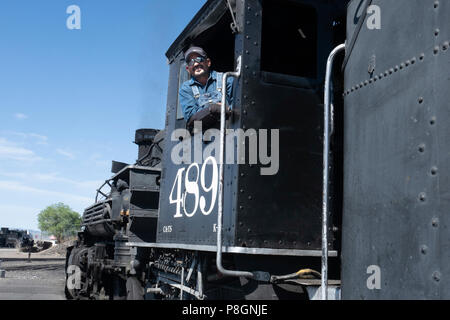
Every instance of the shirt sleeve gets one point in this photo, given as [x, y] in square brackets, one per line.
[230, 82]
[187, 101]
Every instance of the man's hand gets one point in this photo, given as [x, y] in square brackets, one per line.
[216, 108]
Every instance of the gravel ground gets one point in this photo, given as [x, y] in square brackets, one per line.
[41, 279]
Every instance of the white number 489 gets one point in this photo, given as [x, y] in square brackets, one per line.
[192, 188]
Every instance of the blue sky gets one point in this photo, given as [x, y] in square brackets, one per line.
[71, 100]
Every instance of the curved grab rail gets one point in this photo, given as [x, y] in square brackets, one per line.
[326, 150]
[219, 265]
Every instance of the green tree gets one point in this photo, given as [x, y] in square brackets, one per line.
[59, 219]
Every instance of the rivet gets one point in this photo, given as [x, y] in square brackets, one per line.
[424, 249]
[391, 70]
[249, 197]
[435, 222]
[413, 60]
[422, 148]
[434, 171]
[247, 52]
[255, 43]
[422, 197]
[436, 4]
[396, 68]
[248, 22]
[445, 46]
[436, 276]
[436, 50]
[436, 32]
[407, 62]
[402, 65]
[422, 56]
[420, 100]
[433, 121]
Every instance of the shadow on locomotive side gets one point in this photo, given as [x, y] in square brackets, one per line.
[257, 202]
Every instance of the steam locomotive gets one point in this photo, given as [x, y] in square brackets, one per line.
[357, 206]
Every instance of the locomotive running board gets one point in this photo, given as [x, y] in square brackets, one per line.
[241, 250]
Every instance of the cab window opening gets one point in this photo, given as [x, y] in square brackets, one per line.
[218, 42]
[289, 38]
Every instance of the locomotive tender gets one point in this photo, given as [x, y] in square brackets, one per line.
[356, 208]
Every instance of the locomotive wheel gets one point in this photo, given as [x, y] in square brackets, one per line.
[135, 290]
[76, 258]
[119, 288]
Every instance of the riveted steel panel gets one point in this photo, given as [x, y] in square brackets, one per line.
[395, 217]
[284, 210]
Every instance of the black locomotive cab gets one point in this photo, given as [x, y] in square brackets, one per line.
[281, 48]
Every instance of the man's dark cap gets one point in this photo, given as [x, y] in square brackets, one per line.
[192, 50]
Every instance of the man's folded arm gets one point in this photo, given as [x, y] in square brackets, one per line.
[188, 103]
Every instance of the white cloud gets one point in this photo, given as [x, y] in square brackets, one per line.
[12, 151]
[96, 158]
[65, 153]
[40, 138]
[37, 138]
[20, 116]
[88, 185]
[56, 195]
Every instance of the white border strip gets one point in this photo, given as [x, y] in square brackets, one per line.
[226, 249]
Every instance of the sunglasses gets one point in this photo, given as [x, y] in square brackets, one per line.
[199, 59]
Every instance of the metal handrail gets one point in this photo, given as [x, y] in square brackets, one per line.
[326, 150]
[99, 190]
[219, 265]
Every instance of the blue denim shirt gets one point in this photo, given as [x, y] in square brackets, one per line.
[190, 105]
